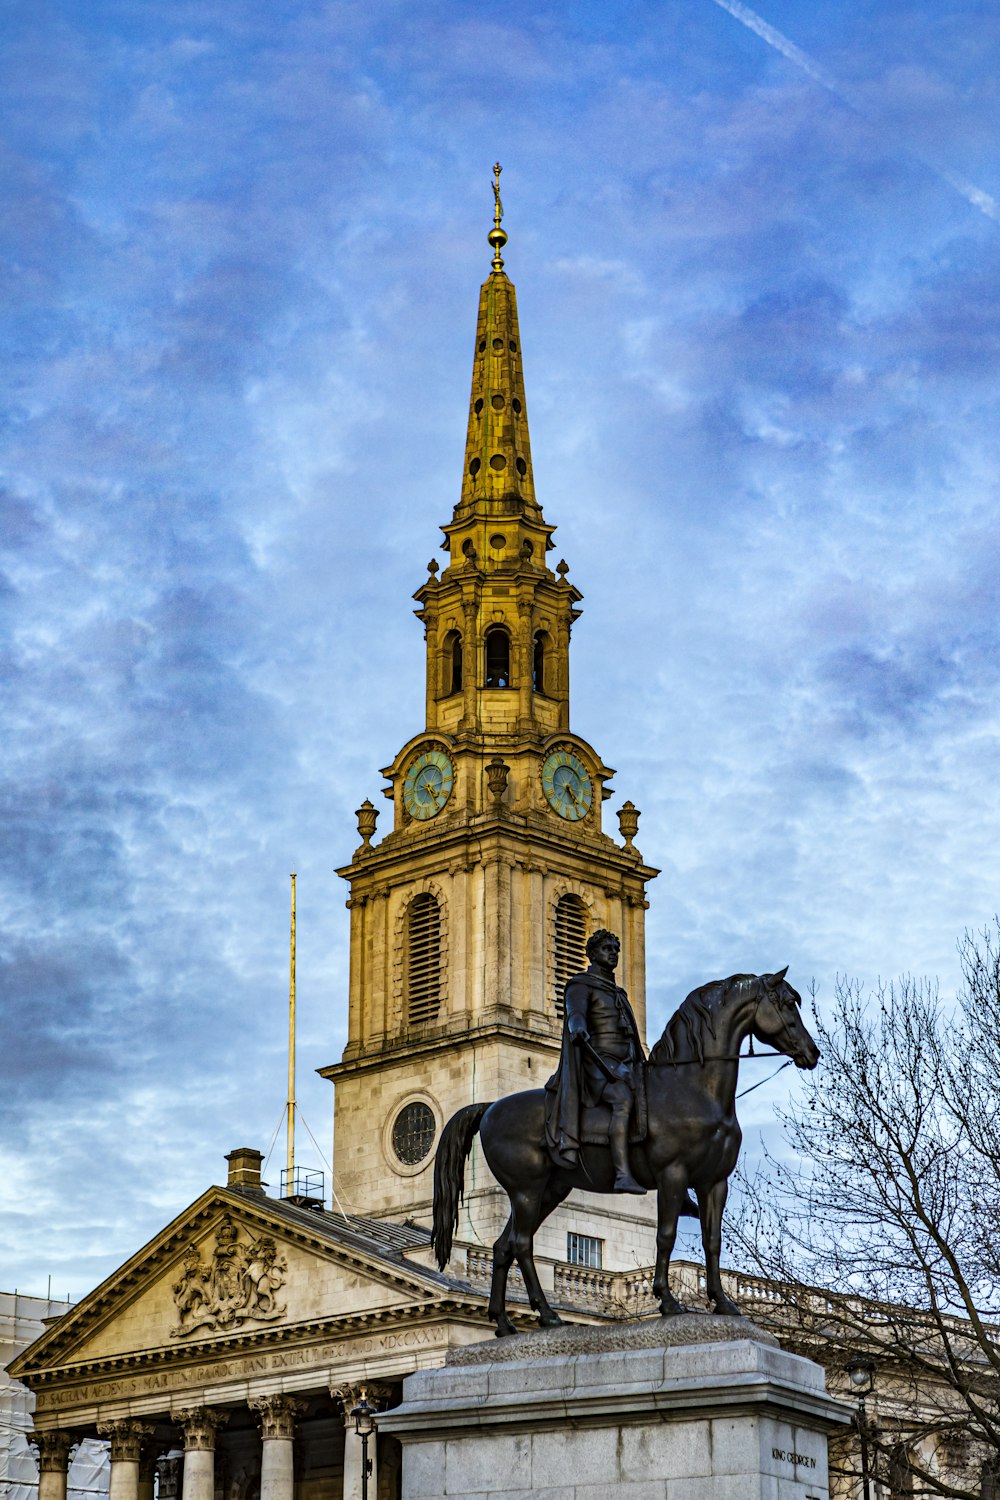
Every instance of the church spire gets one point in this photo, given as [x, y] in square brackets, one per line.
[497, 472]
[497, 619]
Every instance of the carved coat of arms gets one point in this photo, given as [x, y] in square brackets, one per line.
[240, 1282]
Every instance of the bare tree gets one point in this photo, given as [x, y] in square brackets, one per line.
[893, 1208]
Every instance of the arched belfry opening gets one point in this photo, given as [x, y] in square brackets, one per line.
[541, 665]
[451, 663]
[497, 658]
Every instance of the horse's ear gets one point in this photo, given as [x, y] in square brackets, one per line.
[773, 980]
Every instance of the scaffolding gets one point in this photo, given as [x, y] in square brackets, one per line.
[22, 1320]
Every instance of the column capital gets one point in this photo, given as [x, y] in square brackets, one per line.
[53, 1448]
[127, 1437]
[276, 1414]
[377, 1392]
[198, 1423]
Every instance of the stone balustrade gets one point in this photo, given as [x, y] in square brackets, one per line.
[630, 1293]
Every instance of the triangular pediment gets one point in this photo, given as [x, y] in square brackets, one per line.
[231, 1266]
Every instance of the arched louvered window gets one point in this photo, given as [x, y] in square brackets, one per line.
[570, 946]
[451, 662]
[538, 663]
[423, 960]
[497, 658]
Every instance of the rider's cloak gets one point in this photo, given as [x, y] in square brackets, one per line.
[577, 1083]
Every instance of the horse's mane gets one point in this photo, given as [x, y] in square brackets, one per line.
[694, 1018]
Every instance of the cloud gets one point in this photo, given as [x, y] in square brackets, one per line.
[976, 196]
[244, 253]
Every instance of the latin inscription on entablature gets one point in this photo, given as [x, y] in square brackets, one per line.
[318, 1357]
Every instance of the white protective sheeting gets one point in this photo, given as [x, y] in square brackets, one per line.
[21, 1322]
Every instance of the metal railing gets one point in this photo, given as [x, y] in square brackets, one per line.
[304, 1183]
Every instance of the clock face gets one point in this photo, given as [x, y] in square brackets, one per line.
[428, 784]
[567, 786]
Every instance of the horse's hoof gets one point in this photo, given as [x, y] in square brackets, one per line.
[504, 1330]
[672, 1309]
[551, 1320]
[725, 1309]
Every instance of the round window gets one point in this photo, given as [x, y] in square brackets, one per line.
[413, 1133]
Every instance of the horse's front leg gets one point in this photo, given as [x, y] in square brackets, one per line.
[670, 1195]
[712, 1202]
[503, 1255]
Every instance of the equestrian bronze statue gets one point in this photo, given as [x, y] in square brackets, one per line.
[680, 1128]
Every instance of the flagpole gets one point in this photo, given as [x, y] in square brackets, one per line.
[290, 1174]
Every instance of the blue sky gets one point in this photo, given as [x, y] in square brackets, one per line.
[759, 292]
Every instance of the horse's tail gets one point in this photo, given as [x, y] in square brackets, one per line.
[449, 1175]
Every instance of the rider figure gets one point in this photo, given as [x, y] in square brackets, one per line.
[597, 1020]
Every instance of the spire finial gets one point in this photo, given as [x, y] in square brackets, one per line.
[497, 237]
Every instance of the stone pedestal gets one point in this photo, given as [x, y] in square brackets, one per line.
[688, 1408]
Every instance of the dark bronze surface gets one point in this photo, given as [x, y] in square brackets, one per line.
[681, 1105]
[601, 1063]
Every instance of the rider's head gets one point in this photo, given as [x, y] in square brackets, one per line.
[597, 941]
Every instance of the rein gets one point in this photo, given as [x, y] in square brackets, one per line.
[761, 1081]
[740, 1057]
[682, 1062]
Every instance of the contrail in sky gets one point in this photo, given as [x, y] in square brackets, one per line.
[774, 38]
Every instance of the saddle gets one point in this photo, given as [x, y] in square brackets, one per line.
[595, 1125]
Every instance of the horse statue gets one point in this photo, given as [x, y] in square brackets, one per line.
[692, 1140]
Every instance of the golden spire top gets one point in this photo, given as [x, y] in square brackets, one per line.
[497, 237]
[497, 451]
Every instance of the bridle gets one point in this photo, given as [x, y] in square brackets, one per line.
[681, 1062]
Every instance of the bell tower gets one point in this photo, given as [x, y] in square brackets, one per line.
[470, 914]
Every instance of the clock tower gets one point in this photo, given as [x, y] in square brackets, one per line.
[470, 914]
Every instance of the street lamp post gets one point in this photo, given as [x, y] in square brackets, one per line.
[364, 1426]
[861, 1371]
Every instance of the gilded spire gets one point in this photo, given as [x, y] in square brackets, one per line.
[497, 237]
[497, 450]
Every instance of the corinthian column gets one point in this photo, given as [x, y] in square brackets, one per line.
[127, 1437]
[53, 1450]
[198, 1423]
[276, 1415]
[354, 1447]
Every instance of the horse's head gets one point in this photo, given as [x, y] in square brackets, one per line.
[778, 1020]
